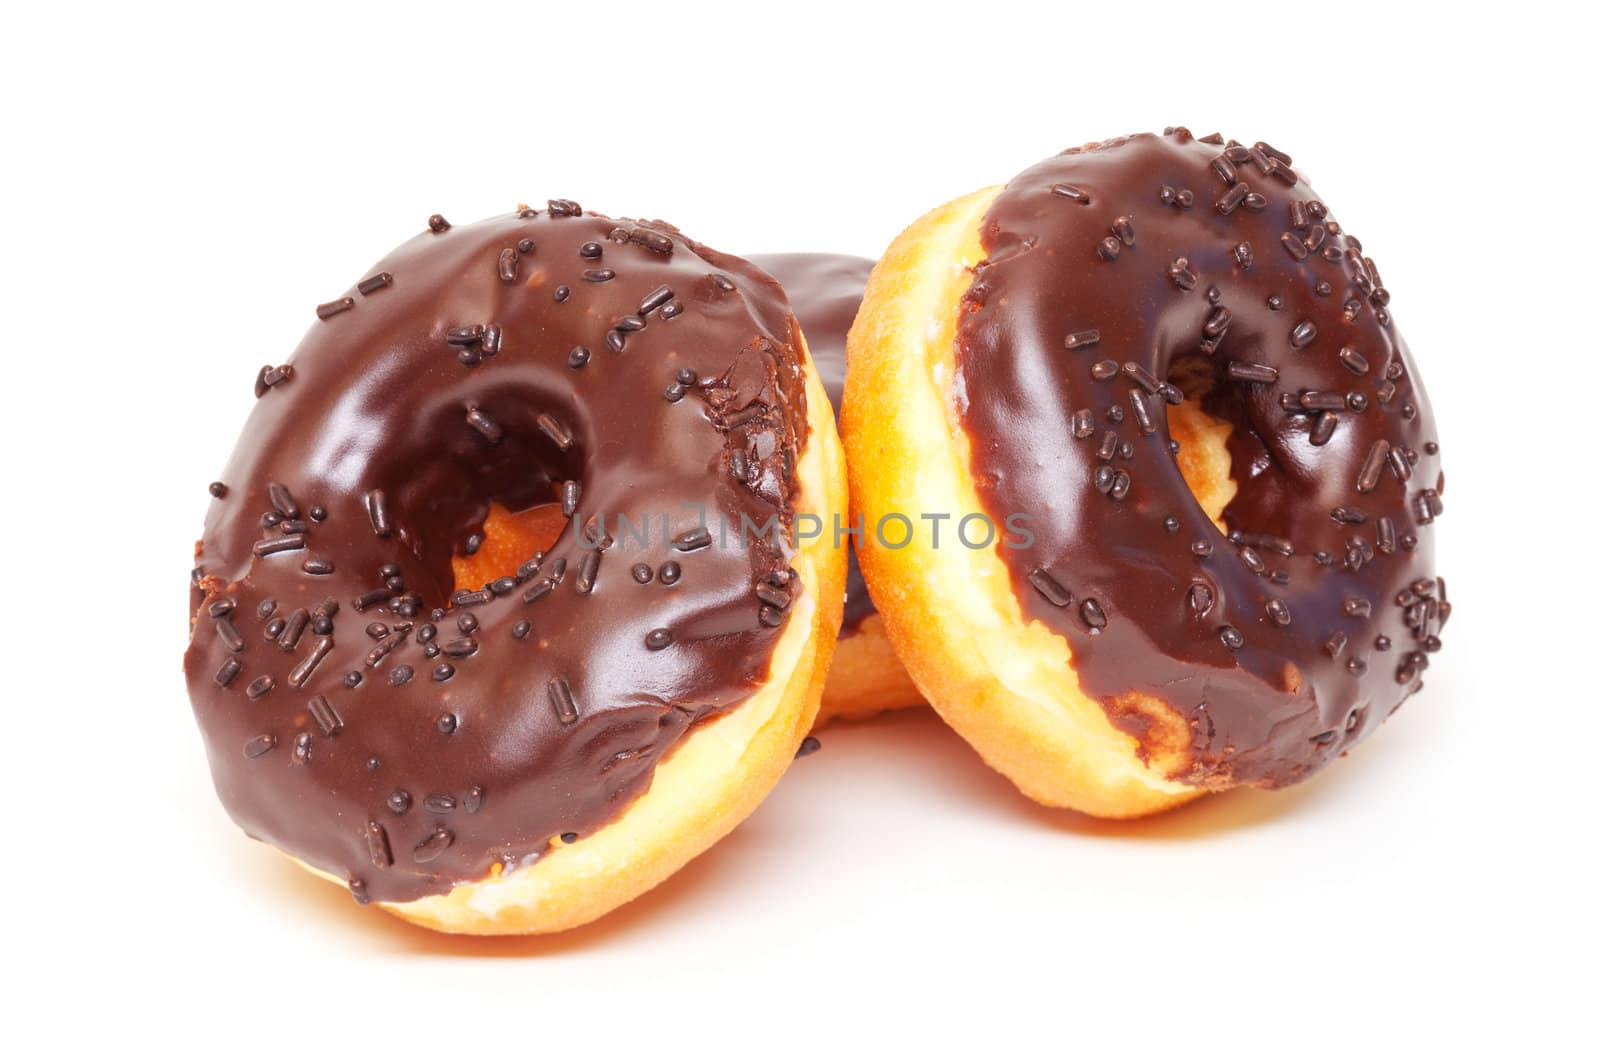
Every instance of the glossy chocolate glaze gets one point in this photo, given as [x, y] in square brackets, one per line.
[362, 716]
[1111, 269]
[825, 291]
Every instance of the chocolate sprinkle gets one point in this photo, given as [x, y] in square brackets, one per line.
[692, 540]
[227, 673]
[378, 512]
[260, 745]
[302, 672]
[562, 701]
[273, 546]
[1372, 466]
[1252, 372]
[1050, 588]
[480, 422]
[555, 431]
[328, 719]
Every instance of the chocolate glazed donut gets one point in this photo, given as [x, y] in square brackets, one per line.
[825, 290]
[1110, 286]
[408, 733]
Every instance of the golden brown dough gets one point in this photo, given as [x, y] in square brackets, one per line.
[1005, 684]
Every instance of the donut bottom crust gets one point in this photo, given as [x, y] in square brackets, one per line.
[866, 678]
[1005, 684]
[715, 777]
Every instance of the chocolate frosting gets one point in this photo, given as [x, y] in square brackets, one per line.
[1119, 277]
[825, 291]
[389, 725]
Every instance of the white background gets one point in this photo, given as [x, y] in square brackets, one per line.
[180, 188]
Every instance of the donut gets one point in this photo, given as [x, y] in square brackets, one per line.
[1169, 382]
[866, 677]
[525, 750]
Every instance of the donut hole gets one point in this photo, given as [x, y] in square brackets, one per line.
[1203, 457]
[473, 488]
[505, 541]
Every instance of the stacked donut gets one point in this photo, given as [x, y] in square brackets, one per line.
[866, 677]
[521, 587]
